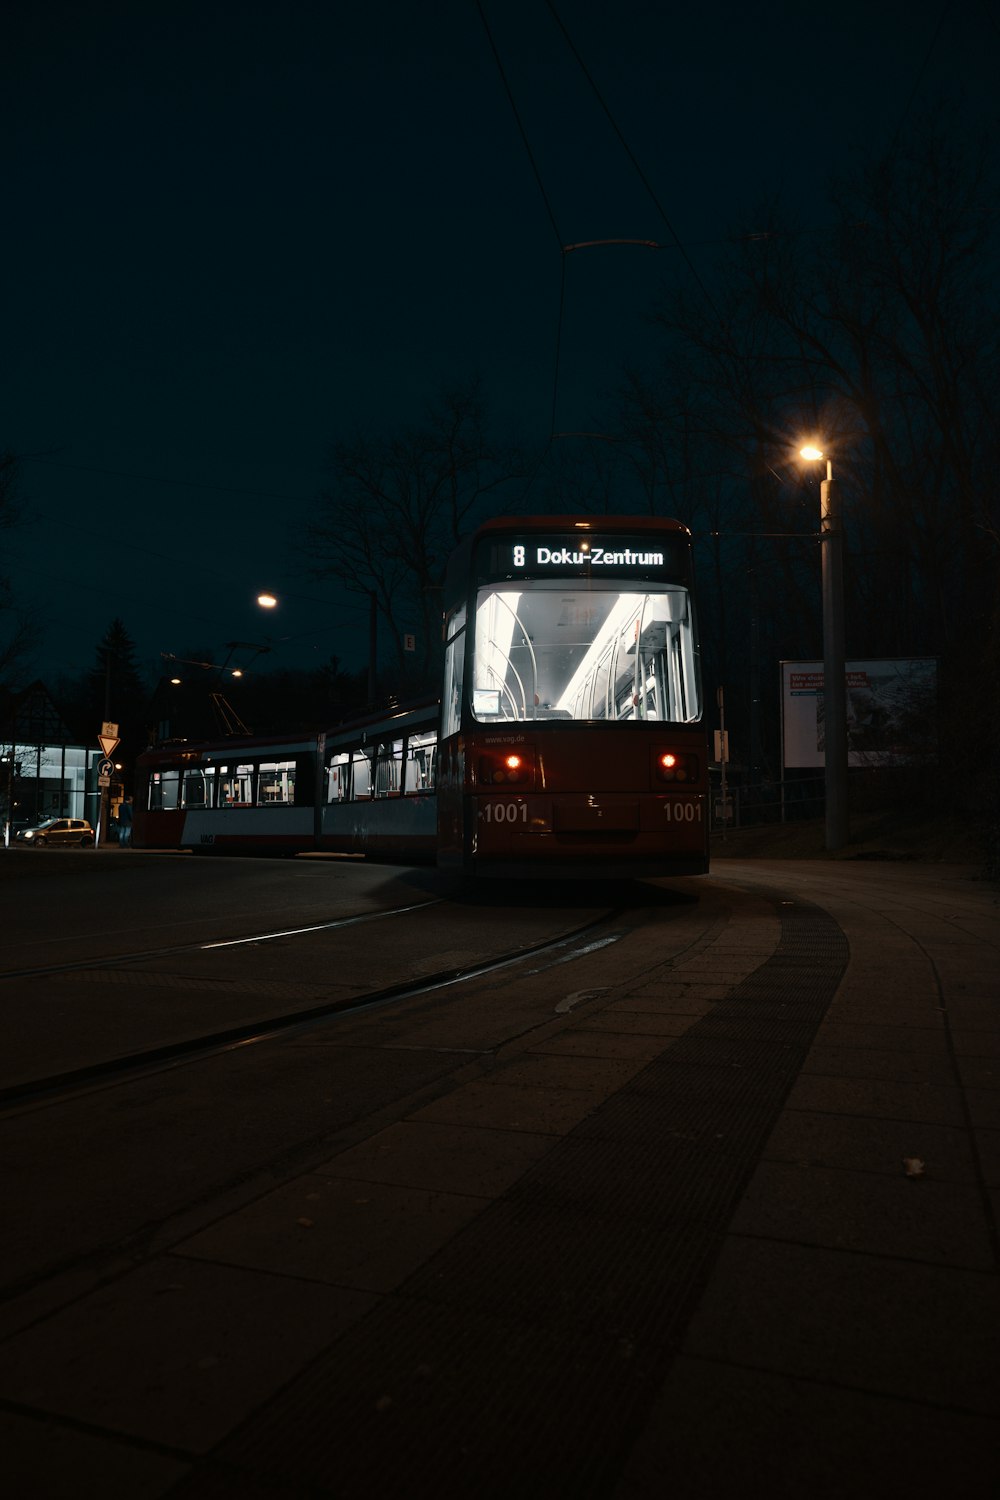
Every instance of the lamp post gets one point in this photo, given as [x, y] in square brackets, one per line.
[834, 670]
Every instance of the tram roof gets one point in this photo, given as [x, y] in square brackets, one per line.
[581, 523]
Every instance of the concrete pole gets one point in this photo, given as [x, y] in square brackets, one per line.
[834, 683]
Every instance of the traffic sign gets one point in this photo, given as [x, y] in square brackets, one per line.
[105, 767]
[107, 744]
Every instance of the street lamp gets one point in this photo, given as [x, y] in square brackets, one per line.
[834, 670]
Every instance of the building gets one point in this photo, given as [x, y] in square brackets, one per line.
[44, 770]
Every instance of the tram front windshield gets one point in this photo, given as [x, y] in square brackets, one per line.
[550, 650]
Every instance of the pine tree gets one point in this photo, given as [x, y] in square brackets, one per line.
[115, 691]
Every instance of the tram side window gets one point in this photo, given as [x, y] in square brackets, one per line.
[388, 768]
[276, 783]
[421, 762]
[361, 775]
[164, 789]
[198, 787]
[338, 778]
[236, 786]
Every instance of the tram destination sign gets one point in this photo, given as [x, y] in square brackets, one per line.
[594, 556]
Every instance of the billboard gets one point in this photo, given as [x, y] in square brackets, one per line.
[891, 712]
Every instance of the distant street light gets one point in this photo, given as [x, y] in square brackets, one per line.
[834, 667]
[267, 601]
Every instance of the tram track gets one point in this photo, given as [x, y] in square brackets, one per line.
[107, 1073]
[111, 961]
[140, 1150]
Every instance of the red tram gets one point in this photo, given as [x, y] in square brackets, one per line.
[365, 788]
[568, 740]
[572, 739]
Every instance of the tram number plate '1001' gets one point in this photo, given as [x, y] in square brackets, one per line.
[676, 811]
[504, 812]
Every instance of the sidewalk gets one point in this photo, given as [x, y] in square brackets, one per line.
[731, 1227]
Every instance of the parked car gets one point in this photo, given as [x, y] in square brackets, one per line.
[20, 823]
[58, 831]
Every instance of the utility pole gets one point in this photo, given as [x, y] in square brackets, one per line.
[831, 541]
[834, 667]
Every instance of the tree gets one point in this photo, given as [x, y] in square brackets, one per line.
[881, 333]
[113, 689]
[396, 508]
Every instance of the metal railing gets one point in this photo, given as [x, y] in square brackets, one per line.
[764, 802]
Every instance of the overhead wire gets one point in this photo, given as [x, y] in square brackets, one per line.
[547, 206]
[564, 248]
[678, 244]
[931, 46]
[191, 484]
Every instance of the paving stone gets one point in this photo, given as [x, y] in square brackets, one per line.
[979, 1072]
[917, 1332]
[176, 1352]
[902, 1040]
[861, 1144]
[585, 1042]
[368, 1235]
[713, 1425]
[984, 1043]
[917, 1217]
[984, 1108]
[881, 1100]
[499, 1106]
[53, 1461]
[885, 1063]
[441, 1158]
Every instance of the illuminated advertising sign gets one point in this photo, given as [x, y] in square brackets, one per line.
[891, 712]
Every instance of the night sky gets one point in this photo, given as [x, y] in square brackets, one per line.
[235, 234]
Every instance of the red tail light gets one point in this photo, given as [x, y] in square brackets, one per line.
[675, 768]
[513, 768]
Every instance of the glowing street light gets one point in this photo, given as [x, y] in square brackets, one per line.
[267, 601]
[834, 669]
